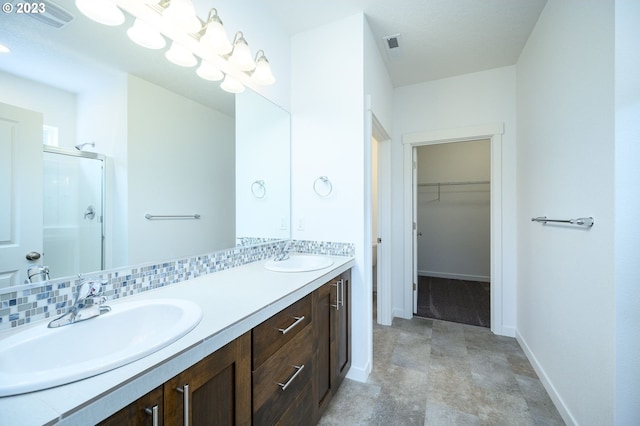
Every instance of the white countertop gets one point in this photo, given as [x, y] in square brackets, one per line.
[233, 302]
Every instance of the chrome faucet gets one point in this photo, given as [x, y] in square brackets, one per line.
[284, 253]
[88, 303]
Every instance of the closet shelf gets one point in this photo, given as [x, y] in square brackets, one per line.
[470, 182]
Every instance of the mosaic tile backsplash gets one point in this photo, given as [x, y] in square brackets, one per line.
[52, 298]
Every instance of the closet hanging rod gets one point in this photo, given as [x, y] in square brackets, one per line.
[474, 182]
[581, 221]
[171, 216]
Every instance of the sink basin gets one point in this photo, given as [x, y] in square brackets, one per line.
[299, 263]
[41, 357]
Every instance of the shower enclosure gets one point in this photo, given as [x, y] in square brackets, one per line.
[73, 231]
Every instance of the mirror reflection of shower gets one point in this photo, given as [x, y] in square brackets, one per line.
[82, 145]
[73, 211]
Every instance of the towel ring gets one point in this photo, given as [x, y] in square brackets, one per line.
[258, 189]
[328, 187]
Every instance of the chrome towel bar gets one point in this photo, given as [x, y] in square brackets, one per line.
[171, 216]
[581, 221]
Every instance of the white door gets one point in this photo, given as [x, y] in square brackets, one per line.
[20, 192]
[414, 180]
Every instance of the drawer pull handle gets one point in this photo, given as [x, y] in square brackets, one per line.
[284, 386]
[185, 397]
[154, 414]
[288, 329]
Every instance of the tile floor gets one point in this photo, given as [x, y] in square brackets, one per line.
[431, 372]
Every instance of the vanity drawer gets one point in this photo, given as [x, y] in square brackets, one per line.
[281, 380]
[273, 333]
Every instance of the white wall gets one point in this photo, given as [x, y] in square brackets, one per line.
[486, 97]
[454, 239]
[102, 118]
[627, 206]
[328, 139]
[58, 107]
[566, 169]
[263, 151]
[198, 149]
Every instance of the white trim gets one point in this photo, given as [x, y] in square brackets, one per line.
[359, 374]
[493, 132]
[551, 390]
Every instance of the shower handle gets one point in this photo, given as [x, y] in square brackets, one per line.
[90, 213]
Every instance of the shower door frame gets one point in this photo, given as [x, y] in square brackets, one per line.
[92, 156]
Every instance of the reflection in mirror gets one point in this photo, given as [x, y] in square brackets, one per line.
[168, 138]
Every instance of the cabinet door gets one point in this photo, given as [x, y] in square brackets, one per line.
[140, 412]
[323, 299]
[342, 324]
[332, 327]
[215, 391]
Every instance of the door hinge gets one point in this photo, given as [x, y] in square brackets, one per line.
[415, 226]
[415, 286]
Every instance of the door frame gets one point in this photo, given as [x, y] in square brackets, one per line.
[384, 305]
[410, 141]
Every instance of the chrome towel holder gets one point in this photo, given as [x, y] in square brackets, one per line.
[580, 221]
[171, 216]
[258, 189]
[319, 183]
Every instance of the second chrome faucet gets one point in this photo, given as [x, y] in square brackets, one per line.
[88, 303]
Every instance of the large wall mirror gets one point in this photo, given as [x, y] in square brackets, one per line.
[185, 168]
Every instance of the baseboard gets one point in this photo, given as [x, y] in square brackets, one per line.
[551, 390]
[359, 374]
[506, 331]
[451, 276]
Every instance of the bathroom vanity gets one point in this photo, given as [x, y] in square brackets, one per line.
[272, 347]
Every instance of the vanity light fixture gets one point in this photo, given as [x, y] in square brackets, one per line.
[208, 71]
[145, 35]
[182, 14]
[241, 54]
[180, 55]
[192, 39]
[262, 74]
[103, 11]
[231, 85]
[214, 35]
[4, 49]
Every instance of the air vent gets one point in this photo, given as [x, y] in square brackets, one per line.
[392, 45]
[54, 15]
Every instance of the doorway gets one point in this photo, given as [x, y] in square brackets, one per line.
[453, 231]
[494, 133]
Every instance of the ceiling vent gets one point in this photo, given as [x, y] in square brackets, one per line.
[392, 45]
[54, 15]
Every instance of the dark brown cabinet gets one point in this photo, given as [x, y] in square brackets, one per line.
[283, 372]
[283, 366]
[331, 329]
[215, 391]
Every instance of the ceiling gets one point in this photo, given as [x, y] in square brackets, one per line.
[438, 38]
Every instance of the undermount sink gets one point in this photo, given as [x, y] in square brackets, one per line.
[41, 357]
[299, 263]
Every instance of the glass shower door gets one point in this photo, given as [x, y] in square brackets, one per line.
[73, 212]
